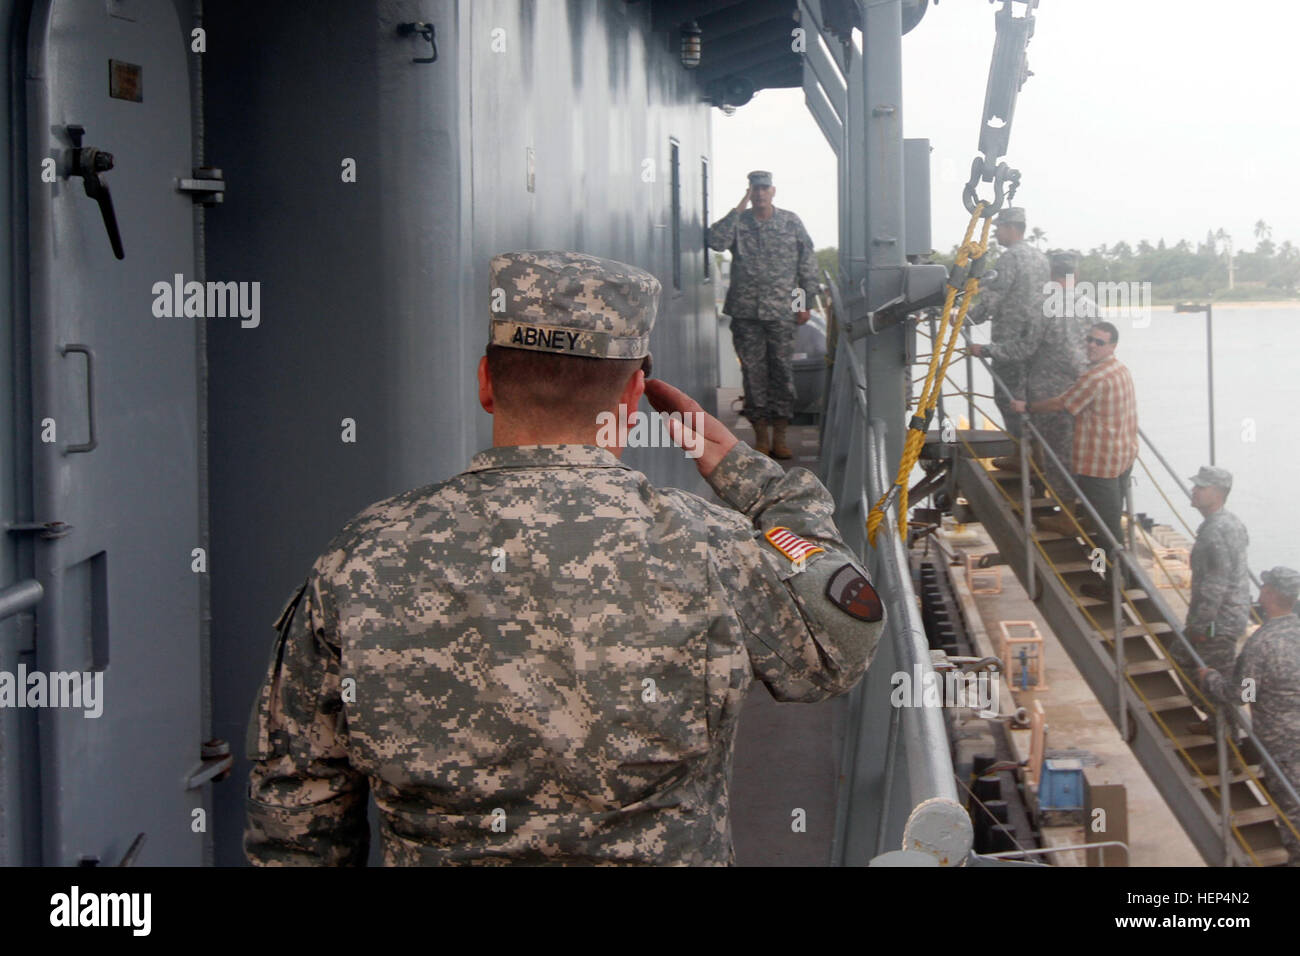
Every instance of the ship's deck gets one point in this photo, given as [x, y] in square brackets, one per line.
[787, 755]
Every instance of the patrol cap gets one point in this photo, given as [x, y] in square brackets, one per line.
[1063, 262]
[1282, 580]
[760, 177]
[1211, 477]
[1010, 216]
[570, 303]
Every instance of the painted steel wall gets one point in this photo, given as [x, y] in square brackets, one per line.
[374, 293]
[19, 794]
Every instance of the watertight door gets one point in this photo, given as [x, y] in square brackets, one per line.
[115, 400]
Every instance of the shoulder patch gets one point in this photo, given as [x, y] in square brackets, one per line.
[851, 592]
[790, 544]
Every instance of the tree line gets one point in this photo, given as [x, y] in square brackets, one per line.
[1212, 269]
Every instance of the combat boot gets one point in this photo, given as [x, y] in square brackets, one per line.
[779, 447]
[762, 442]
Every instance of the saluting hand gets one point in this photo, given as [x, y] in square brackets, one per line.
[718, 439]
[744, 202]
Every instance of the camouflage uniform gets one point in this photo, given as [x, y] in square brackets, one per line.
[544, 658]
[1220, 597]
[769, 260]
[1013, 299]
[1057, 360]
[1271, 659]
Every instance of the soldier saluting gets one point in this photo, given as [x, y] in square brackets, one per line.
[543, 659]
[773, 280]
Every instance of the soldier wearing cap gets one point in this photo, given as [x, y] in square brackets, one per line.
[1056, 360]
[543, 658]
[1013, 301]
[1219, 608]
[773, 281]
[1267, 676]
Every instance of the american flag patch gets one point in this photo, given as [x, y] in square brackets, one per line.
[790, 544]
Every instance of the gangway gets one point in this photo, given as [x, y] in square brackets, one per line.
[1121, 646]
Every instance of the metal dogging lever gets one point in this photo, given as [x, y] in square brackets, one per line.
[88, 162]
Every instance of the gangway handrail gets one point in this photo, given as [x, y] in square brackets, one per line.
[1182, 487]
[1276, 777]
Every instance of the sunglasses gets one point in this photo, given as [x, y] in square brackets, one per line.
[1093, 340]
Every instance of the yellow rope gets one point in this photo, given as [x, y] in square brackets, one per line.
[950, 326]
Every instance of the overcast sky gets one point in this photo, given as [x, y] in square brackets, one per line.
[1144, 119]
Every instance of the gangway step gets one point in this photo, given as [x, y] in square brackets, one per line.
[1158, 705]
[1245, 818]
[1238, 776]
[1150, 627]
[1274, 856]
[1148, 667]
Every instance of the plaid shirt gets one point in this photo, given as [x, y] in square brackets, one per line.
[1106, 424]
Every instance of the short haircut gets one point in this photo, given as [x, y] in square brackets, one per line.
[573, 388]
[1109, 330]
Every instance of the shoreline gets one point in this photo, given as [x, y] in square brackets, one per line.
[1239, 304]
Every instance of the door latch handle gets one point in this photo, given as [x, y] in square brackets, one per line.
[88, 162]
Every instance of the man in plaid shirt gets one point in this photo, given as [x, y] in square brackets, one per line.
[1104, 406]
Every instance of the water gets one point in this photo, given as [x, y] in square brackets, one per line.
[1257, 401]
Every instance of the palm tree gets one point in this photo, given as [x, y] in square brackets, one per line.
[1038, 237]
[1222, 235]
[1263, 230]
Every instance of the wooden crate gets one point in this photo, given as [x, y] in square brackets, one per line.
[982, 580]
[1015, 636]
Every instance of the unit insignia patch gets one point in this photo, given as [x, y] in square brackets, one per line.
[851, 592]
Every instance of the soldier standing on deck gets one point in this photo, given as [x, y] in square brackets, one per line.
[1267, 675]
[1013, 300]
[773, 281]
[1056, 360]
[1219, 609]
[543, 659]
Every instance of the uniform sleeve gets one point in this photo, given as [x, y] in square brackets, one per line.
[306, 806]
[1216, 686]
[722, 234]
[802, 641]
[807, 266]
[992, 291]
[1020, 348]
[1210, 587]
[1252, 665]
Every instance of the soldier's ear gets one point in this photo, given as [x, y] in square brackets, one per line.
[485, 387]
[633, 390]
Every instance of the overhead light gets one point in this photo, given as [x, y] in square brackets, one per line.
[691, 44]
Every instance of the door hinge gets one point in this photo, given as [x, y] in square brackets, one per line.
[215, 764]
[208, 186]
